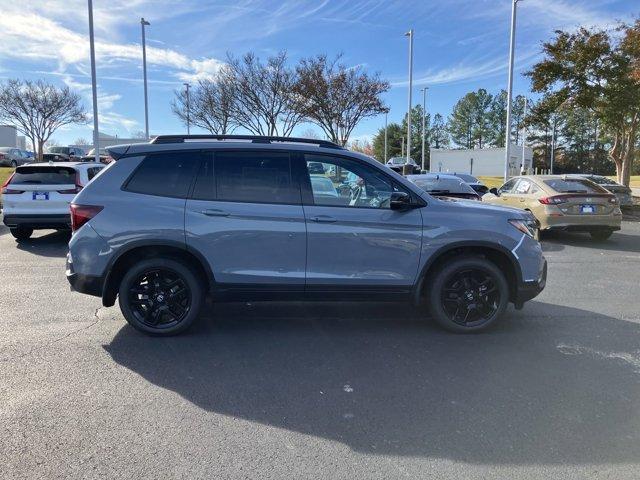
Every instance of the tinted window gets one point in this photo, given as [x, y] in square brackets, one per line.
[164, 174]
[92, 172]
[44, 176]
[439, 184]
[348, 183]
[574, 185]
[205, 187]
[467, 178]
[258, 177]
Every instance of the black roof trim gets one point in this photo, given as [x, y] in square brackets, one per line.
[252, 138]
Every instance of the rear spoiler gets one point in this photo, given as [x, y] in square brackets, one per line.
[118, 151]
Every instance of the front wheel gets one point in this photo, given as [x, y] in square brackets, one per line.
[601, 235]
[160, 296]
[21, 233]
[468, 295]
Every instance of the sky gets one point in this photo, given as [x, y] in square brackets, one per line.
[459, 46]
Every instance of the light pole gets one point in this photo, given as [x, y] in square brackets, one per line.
[512, 41]
[524, 134]
[385, 136]
[144, 23]
[94, 87]
[186, 85]
[410, 35]
[424, 107]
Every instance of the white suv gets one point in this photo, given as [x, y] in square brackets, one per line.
[37, 196]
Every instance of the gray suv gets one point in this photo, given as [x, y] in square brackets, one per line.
[242, 218]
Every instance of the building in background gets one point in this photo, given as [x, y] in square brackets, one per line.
[481, 161]
[110, 140]
[8, 136]
[21, 142]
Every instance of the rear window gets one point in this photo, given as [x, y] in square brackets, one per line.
[164, 174]
[574, 185]
[44, 175]
[64, 150]
[442, 185]
[467, 178]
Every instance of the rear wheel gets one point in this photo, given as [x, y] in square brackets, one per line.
[21, 233]
[468, 295]
[601, 235]
[160, 296]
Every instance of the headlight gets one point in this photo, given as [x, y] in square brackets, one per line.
[526, 226]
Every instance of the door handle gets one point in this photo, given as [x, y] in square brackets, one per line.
[215, 213]
[323, 219]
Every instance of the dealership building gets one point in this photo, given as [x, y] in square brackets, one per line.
[482, 161]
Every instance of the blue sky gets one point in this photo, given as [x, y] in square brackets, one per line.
[460, 45]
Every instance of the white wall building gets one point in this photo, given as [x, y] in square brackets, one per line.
[8, 136]
[481, 161]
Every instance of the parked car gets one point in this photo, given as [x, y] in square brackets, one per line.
[102, 154]
[55, 157]
[74, 153]
[397, 164]
[37, 196]
[323, 186]
[622, 193]
[560, 202]
[473, 182]
[443, 185]
[316, 168]
[172, 220]
[12, 157]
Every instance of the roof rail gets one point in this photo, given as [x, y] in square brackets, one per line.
[251, 138]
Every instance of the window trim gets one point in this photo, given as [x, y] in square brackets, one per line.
[307, 191]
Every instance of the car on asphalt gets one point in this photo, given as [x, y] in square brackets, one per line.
[622, 193]
[74, 153]
[240, 217]
[37, 196]
[444, 185]
[561, 202]
[12, 157]
[473, 182]
[397, 164]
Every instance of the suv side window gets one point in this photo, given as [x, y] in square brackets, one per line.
[92, 172]
[507, 187]
[164, 174]
[254, 177]
[523, 187]
[348, 183]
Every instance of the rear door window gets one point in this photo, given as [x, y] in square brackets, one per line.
[44, 175]
[574, 185]
[254, 177]
[165, 174]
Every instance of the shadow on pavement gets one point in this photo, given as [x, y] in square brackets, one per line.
[618, 242]
[47, 243]
[554, 386]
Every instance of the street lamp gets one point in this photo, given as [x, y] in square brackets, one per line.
[524, 135]
[410, 35]
[144, 23]
[512, 40]
[424, 107]
[94, 87]
[186, 85]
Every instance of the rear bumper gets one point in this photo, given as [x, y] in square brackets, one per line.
[39, 221]
[584, 228]
[87, 284]
[531, 289]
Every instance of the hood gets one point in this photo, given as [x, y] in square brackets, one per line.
[483, 207]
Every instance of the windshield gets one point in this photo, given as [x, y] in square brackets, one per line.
[64, 150]
[574, 185]
[467, 178]
[398, 160]
[438, 184]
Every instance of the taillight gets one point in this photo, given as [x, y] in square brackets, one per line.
[81, 214]
[8, 191]
[552, 200]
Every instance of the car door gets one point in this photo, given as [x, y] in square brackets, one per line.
[245, 216]
[507, 195]
[355, 239]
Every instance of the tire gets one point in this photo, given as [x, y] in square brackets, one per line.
[601, 235]
[160, 296]
[14, 164]
[21, 233]
[474, 308]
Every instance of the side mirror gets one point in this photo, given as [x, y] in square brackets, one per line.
[494, 190]
[400, 201]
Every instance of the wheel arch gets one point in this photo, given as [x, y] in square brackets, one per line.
[496, 253]
[145, 249]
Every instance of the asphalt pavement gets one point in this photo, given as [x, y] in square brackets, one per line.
[331, 391]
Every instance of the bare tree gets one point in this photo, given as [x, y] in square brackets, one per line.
[81, 141]
[38, 109]
[211, 105]
[337, 98]
[263, 94]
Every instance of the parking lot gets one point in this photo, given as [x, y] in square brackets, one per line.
[325, 390]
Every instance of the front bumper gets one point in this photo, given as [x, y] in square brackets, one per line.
[531, 289]
[39, 221]
[88, 284]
